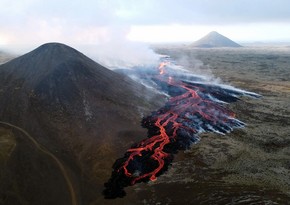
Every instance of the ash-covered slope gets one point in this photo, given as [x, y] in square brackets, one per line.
[76, 109]
[213, 40]
[58, 76]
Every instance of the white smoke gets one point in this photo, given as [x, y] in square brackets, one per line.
[196, 66]
[118, 52]
[98, 29]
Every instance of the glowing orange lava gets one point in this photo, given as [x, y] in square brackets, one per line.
[193, 107]
[162, 67]
[189, 101]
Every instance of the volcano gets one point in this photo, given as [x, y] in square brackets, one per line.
[64, 116]
[214, 40]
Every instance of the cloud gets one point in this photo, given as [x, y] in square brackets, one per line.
[147, 12]
[92, 21]
[213, 12]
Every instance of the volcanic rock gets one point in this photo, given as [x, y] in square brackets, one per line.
[76, 109]
[213, 40]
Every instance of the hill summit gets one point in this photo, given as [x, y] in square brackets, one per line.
[213, 40]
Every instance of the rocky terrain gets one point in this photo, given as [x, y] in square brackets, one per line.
[87, 116]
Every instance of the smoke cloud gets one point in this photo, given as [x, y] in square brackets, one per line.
[96, 28]
[116, 51]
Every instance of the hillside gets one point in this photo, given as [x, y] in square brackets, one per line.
[64, 108]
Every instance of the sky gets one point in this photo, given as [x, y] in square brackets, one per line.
[154, 21]
[118, 33]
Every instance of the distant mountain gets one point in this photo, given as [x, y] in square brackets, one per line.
[213, 40]
[76, 110]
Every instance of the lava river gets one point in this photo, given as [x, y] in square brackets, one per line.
[195, 105]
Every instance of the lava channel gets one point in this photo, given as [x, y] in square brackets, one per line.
[194, 107]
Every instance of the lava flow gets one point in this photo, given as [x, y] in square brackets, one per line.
[194, 106]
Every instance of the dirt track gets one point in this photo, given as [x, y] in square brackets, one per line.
[57, 161]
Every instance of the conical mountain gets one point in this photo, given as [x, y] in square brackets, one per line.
[59, 75]
[49, 58]
[213, 40]
[77, 110]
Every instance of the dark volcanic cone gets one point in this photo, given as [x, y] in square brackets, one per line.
[213, 40]
[75, 108]
[59, 78]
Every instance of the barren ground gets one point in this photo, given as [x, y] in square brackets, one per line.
[247, 166]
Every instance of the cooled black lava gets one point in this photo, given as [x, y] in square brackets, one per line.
[194, 106]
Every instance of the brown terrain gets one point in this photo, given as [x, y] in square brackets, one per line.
[68, 128]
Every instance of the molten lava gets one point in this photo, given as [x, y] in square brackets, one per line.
[195, 106]
[162, 67]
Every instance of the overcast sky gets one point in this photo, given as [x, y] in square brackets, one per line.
[98, 21]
